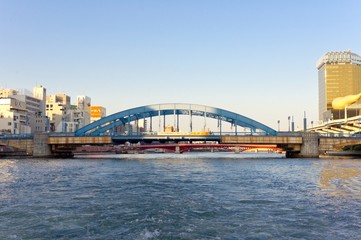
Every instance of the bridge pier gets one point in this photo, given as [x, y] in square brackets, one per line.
[63, 152]
[43, 149]
[177, 150]
[237, 149]
[41, 145]
[309, 147]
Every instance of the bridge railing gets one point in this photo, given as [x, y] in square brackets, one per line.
[137, 134]
[289, 134]
[61, 134]
[355, 135]
[141, 134]
[16, 136]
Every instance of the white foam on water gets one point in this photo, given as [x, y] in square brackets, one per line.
[146, 234]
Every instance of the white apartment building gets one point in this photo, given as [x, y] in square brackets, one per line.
[13, 117]
[33, 117]
[84, 104]
[35, 107]
[74, 120]
[23, 112]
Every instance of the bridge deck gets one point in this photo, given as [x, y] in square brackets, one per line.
[262, 139]
[79, 140]
[134, 139]
[159, 138]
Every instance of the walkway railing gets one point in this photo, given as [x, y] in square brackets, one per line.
[61, 134]
[16, 136]
[136, 134]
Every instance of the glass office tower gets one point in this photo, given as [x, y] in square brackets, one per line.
[339, 75]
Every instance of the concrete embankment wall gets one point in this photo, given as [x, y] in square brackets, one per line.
[21, 144]
[336, 144]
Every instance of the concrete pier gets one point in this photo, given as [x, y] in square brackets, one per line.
[310, 145]
[41, 145]
[177, 150]
[237, 149]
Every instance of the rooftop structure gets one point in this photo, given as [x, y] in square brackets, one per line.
[338, 58]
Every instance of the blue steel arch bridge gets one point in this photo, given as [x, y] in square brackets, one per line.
[108, 125]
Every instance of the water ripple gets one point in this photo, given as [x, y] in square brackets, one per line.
[189, 197]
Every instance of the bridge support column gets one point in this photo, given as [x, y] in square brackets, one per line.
[237, 149]
[309, 148]
[177, 150]
[41, 145]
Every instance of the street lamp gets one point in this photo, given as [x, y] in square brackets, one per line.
[278, 125]
[289, 123]
[311, 124]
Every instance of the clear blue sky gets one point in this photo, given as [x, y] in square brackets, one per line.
[256, 58]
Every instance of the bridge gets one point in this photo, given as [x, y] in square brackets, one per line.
[340, 127]
[246, 131]
[109, 124]
[302, 145]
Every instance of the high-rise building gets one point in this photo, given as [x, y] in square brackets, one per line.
[339, 75]
[41, 121]
[39, 92]
[84, 103]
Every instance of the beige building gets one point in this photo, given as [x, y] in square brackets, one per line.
[339, 75]
[7, 92]
[65, 117]
[57, 107]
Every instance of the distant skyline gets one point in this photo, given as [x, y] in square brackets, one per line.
[255, 58]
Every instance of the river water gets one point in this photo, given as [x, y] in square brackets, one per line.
[184, 196]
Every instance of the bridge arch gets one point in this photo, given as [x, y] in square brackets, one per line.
[109, 123]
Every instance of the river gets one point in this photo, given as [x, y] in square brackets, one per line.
[180, 196]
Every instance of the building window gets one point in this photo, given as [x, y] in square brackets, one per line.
[9, 123]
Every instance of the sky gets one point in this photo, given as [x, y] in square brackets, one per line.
[256, 58]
